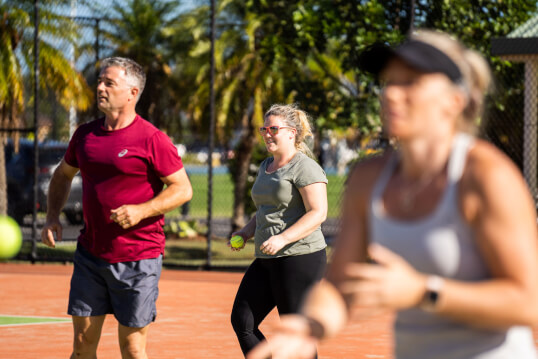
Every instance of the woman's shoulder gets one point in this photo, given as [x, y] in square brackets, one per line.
[491, 176]
[365, 173]
[266, 161]
[486, 160]
[302, 159]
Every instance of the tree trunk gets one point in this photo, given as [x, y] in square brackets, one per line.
[3, 181]
[243, 158]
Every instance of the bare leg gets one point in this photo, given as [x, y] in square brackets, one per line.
[133, 342]
[87, 334]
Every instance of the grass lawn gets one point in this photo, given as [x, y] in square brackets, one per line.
[223, 196]
[11, 320]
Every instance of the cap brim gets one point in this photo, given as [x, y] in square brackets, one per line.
[419, 55]
[375, 58]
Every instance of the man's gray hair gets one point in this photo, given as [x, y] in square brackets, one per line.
[133, 71]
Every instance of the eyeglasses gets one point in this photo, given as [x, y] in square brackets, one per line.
[273, 130]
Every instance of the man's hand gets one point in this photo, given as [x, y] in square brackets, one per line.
[47, 233]
[127, 215]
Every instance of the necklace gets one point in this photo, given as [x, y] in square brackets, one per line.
[408, 197]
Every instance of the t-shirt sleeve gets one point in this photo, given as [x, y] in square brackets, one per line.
[163, 155]
[70, 156]
[307, 172]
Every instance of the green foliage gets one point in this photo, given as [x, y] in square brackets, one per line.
[17, 55]
[17, 66]
[177, 228]
[143, 30]
[476, 23]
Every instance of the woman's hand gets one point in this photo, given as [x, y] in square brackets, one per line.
[390, 283]
[238, 233]
[292, 340]
[273, 244]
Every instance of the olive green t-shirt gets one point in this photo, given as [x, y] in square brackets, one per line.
[279, 204]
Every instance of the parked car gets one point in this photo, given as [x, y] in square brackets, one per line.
[20, 180]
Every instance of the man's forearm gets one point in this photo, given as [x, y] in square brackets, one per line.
[59, 188]
[170, 198]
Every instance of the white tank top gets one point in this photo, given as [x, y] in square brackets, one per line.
[443, 244]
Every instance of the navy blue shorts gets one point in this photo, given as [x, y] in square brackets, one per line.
[128, 290]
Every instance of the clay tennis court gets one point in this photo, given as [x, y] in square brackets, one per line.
[192, 323]
[193, 318]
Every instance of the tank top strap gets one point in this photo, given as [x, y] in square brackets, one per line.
[383, 180]
[460, 147]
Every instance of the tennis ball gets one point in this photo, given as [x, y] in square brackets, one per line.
[237, 241]
[10, 237]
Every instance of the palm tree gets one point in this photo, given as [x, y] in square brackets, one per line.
[57, 76]
[141, 31]
[255, 65]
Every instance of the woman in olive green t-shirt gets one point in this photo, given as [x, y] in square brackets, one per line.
[290, 195]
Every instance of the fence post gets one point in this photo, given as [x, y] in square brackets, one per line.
[36, 126]
[530, 125]
[211, 134]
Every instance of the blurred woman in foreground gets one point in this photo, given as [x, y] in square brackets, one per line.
[442, 229]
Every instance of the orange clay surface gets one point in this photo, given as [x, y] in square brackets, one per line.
[192, 322]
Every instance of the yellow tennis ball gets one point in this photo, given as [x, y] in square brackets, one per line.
[237, 241]
[10, 237]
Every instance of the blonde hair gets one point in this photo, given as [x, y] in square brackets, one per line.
[296, 118]
[474, 68]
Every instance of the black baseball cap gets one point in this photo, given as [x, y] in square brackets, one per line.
[417, 54]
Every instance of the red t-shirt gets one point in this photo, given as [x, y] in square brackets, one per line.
[121, 167]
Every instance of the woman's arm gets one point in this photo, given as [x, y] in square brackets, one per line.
[494, 200]
[315, 202]
[248, 230]
[497, 204]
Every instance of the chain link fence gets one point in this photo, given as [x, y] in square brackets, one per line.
[514, 124]
[510, 123]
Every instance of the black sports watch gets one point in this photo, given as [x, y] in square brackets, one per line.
[430, 300]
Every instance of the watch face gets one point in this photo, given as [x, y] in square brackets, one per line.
[431, 296]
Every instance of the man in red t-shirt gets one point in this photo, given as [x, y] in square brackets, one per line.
[124, 162]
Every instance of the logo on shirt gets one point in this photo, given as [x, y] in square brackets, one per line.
[123, 153]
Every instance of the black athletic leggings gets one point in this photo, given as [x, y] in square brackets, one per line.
[280, 282]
